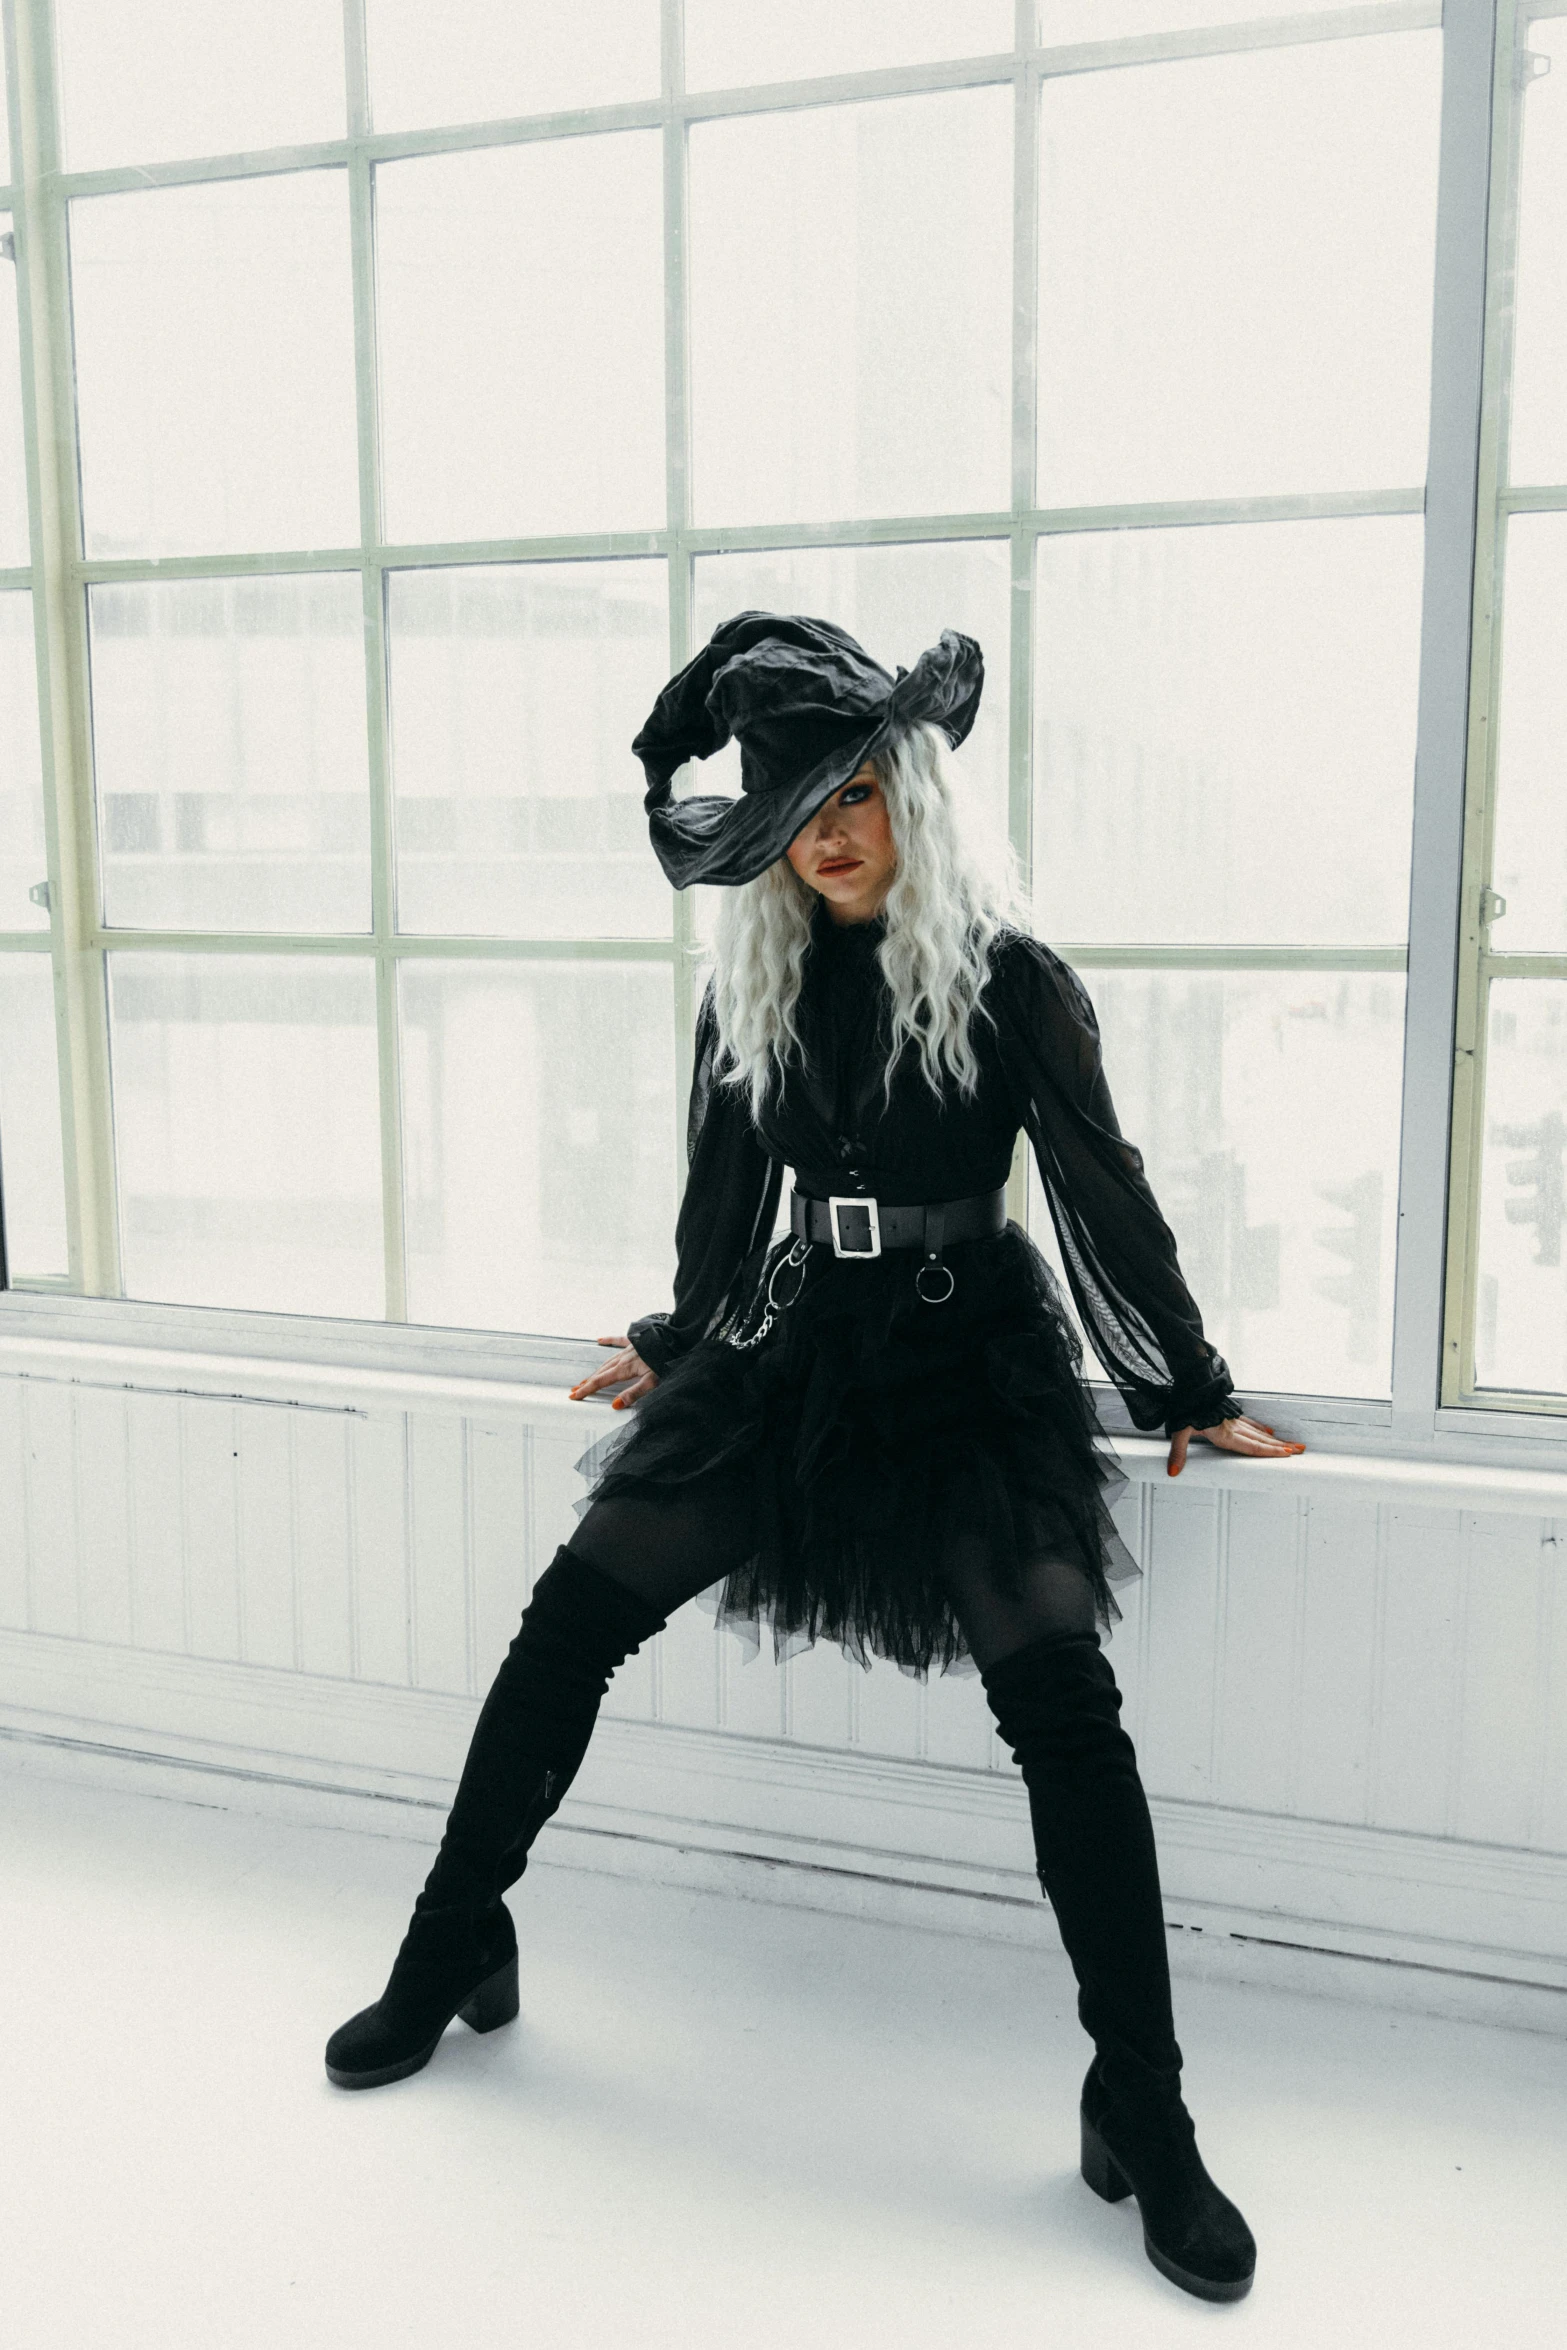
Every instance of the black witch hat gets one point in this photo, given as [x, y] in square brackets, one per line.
[808, 706]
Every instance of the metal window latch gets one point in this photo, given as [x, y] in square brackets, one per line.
[1530, 65]
[38, 895]
[1492, 906]
[8, 245]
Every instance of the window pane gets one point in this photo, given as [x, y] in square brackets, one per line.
[540, 1120]
[515, 695]
[896, 600]
[247, 1131]
[522, 339]
[170, 78]
[851, 310]
[215, 367]
[480, 60]
[1064, 21]
[229, 748]
[1226, 732]
[1537, 434]
[1266, 1105]
[1529, 856]
[727, 46]
[1264, 325]
[14, 548]
[32, 1167]
[23, 857]
[1521, 1323]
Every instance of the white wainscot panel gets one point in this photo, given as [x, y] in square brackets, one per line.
[1348, 1692]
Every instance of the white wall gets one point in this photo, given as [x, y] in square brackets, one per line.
[1346, 1678]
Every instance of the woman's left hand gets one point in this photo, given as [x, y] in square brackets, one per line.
[1250, 1437]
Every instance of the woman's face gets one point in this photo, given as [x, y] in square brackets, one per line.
[845, 853]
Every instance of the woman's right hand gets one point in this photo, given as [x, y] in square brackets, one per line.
[626, 1365]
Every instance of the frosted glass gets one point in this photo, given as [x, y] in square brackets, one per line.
[215, 367]
[1226, 732]
[851, 310]
[32, 1164]
[1537, 438]
[896, 601]
[1529, 853]
[481, 60]
[1266, 1105]
[1521, 1317]
[170, 78]
[229, 751]
[522, 339]
[539, 1116]
[728, 45]
[14, 545]
[515, 695]
[23, 854]
[247, 1131]
[1062, 22]
[1236, 261]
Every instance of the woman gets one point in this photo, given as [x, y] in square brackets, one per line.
[874, 1429]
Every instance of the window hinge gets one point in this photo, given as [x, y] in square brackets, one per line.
[8, 245]
[38, 895]
[1492, 906]
[1530, 65]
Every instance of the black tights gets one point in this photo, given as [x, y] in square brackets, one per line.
[667, 1550]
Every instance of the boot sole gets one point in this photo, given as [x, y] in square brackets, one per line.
[495, 2002]
[1104, 2174]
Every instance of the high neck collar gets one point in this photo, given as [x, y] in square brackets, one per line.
[849, 936]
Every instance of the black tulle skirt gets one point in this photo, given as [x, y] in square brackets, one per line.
[879, 1434]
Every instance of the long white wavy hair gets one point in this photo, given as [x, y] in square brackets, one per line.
[949, 897]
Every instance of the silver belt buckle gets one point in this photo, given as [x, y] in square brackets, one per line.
[867, 1207]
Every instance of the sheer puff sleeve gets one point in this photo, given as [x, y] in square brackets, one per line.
[726, 1216]
[1118, 1251]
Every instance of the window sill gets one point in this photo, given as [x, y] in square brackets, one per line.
[1360, 1477]
[343, 1365]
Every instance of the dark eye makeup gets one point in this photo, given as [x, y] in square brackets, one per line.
[852, 792]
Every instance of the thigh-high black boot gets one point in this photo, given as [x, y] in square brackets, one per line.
[1057, 1705]
[459, 1955]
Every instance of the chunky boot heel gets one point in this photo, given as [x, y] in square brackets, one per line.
[1141, 2141]
[496, 2002]
[1100, 2169]
[453, 1962]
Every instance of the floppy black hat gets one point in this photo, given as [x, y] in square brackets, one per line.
[808, 706]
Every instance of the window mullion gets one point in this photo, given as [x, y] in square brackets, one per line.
[1430, 1094]
[60, 619]
[1025, 379]
[677, 468]
[361, 199]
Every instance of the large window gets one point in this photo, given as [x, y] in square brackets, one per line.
[393, 397]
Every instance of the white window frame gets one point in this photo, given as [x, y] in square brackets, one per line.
[1442, 957]
[1479, 960]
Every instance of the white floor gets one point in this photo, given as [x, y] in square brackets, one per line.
[718, 2121]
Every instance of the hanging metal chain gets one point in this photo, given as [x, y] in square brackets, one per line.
[799, 1250]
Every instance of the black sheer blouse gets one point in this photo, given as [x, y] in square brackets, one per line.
[1041, 1072]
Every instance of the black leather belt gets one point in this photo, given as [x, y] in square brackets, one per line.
[862, 1227]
